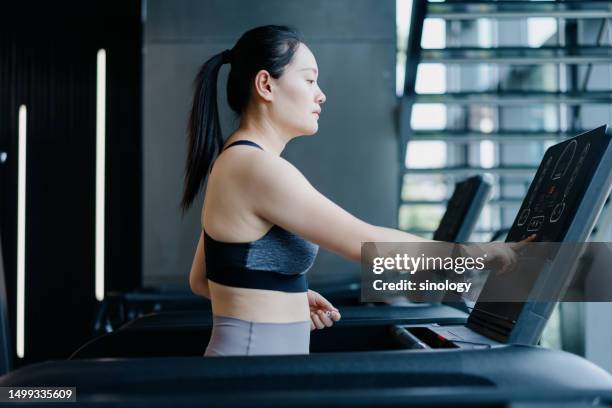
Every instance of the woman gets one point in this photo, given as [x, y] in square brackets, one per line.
[262, 220]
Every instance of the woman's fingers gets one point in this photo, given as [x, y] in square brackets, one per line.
[516, 246]
[320, 319]
[317, 322]
[324, 317]
[510, 257]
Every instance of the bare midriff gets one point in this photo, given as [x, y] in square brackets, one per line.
[258, 305]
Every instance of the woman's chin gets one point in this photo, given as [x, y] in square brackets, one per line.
[313, 129]
[308, 130]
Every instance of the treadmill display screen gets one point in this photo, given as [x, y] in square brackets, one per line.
[548, 210]
[558, 188]
[462, 200]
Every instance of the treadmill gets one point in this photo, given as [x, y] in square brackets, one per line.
[496, 371]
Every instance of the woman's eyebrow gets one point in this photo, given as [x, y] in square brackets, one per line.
[310, 69]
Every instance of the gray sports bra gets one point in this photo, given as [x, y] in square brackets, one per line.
[277, 261]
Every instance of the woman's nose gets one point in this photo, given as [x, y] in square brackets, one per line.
[321, 99]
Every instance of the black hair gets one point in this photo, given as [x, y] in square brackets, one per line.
[269, 48]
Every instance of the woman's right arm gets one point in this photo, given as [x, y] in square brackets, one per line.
[283, 196]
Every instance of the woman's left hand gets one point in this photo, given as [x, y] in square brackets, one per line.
[322, 312]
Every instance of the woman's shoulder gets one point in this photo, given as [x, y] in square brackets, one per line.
[237, 159]
[250, 164]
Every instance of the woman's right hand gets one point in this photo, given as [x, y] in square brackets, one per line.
[503, 256]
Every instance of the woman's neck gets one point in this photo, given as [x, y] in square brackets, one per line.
[263, 132]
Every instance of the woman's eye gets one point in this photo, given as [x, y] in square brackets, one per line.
[311, 81]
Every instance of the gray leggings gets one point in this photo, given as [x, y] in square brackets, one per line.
[236, 337]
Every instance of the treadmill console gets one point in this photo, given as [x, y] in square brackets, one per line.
[563, 185]
[558, 187]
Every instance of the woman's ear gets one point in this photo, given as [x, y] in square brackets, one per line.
[263, 85]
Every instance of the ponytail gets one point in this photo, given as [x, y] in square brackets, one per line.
[204, 131]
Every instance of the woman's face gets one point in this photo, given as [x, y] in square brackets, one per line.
[297, 98]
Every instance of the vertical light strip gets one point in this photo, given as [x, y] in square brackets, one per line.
[21, 225]
[100, 171]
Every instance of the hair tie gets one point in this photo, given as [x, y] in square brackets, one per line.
[226, 57]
